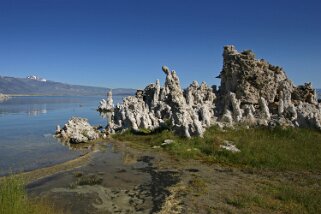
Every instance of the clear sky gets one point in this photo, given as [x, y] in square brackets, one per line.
[124, 43]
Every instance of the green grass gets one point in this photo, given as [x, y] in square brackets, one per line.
[14, 200]
[279, 149]
[82, 180]
[280, 197]
[288, 163]
[12, 195]
[197, 185]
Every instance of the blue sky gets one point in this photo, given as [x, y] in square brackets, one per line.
[124, 43]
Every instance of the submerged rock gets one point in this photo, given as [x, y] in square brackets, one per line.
[77, 130]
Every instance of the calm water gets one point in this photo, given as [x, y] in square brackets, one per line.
[27, 125]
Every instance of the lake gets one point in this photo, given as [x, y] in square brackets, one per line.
[27, 125]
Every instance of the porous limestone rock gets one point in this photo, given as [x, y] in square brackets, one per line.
[188, 112]
[252, 92]
[263, 94]
[167, 142]
[229, 146]
[77, 130]
[107, 105]
[249, 78]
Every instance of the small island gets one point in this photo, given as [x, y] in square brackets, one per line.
[3, 97]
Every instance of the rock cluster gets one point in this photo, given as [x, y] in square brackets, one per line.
[252, 92]
[107, 105]
[188, 111]
[77, 130]
[255, 92]
[3, 97]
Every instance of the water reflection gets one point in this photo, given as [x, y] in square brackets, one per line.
[129, 158]
[28, 123]
[84, 147]
[34, 106]
[4, 99]
[35, 111]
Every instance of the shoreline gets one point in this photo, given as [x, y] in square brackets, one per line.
[49, 95]
[81, 160]
[185, 182]
[40, 173]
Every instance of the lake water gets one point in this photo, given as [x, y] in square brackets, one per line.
[27, 125]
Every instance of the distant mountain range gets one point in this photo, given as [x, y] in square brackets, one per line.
[37, 86]
[33, 85]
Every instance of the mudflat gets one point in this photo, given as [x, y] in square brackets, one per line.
[119, 178]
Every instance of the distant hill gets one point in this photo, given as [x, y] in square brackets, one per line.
[28, 86]
[319, 93]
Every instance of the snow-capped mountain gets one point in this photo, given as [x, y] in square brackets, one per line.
[34, 85]
[33, 77]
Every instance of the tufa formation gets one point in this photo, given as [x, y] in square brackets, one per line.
[77, 130]
[3, 97]
[107, 105]
[252, 93]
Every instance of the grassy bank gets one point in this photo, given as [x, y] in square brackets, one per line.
[278, 149]
[14, 200]
[281, 169]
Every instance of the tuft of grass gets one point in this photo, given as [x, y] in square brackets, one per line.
[78, 174]
[14, 200]
[90, 180]
[279, 197]
[198, 185]
[236, 202]
[12, 195]
[298, 199]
